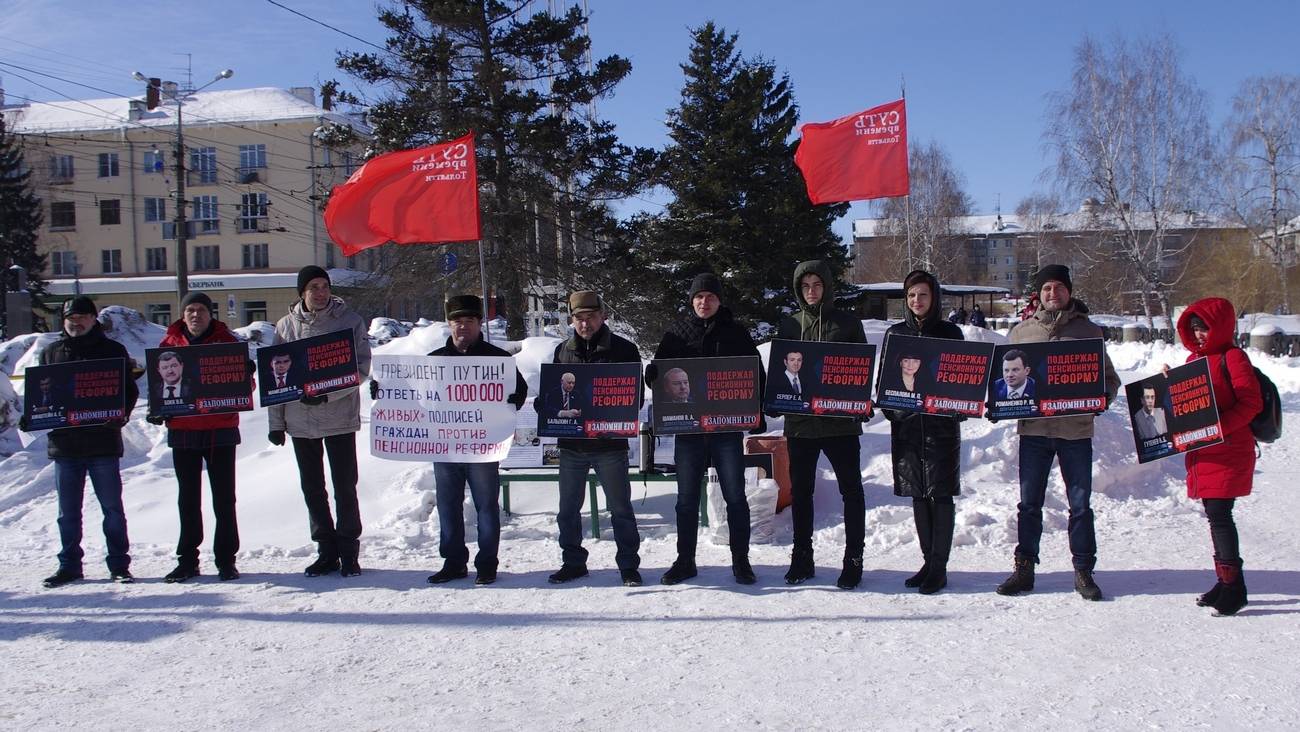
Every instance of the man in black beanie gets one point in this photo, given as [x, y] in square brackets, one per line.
[197, 440]
[1068, 440]
[94, 450]
[326, 424]
[708, 329]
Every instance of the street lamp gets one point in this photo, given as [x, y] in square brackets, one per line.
[154, 89]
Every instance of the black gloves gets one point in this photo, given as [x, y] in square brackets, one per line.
[374, 389]
[276, 437]
[155, 419]
[252, 367]
[762, 426]
[312, 401]
[24, 424]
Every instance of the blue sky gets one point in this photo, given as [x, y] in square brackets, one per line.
[977, 73]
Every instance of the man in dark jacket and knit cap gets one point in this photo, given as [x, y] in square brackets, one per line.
[708, 330]
[817, 319]
[95, 450]
[194, 440]
[465, 317]
[325, 424]
[593, 342]
[1068, 440]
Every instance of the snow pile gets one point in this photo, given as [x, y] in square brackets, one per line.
[383, 330]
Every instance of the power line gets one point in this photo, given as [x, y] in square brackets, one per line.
[327, 25]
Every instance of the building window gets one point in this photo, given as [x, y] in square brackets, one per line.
[155, 209]
[256, 257]
[252, 212]
[63, 264]
[207, 257]
[252, 157]
[108, 165]
[154, 161]
[63, 215]
[160, 313]
[111, 261]
[155, 259]
[203, 165]
[61, 167]
[205, 215]
[110, 212]
[254, 310]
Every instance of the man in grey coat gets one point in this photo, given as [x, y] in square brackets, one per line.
[1068, 440]
[326, 424]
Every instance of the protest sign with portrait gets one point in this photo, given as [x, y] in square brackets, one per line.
[595, 400]
[937, 376]
[819, 377]
[203, 379]
[75, 393]
[1047, 379]
[1175, 413]
[309, 367]
[695, 395]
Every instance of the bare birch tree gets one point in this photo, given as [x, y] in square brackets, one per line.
[929, 216]
[1262, 168]
[1131, 131]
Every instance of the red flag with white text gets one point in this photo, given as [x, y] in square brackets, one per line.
[858, 157]
[424, 196]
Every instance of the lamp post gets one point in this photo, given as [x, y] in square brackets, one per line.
[154, 89]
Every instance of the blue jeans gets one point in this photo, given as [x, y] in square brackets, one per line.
[484, 486]
[1075, 458]
[70, 482]
[611, 470]
[693, 454]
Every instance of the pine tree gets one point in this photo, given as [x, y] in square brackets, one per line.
[740, 207]
[525, 87]
[20, 215]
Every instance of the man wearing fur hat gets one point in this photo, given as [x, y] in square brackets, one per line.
[200, 439]
[1068, 440]
[465, 317]
[95, 450]
[708, 329]
[593, 342]
[326, 424]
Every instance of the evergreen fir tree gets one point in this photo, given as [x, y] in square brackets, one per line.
[20, 215]
[525, 87]
[740, 207]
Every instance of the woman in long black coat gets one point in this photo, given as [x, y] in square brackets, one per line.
[926, 448]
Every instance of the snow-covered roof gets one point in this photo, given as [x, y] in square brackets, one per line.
[197, 281]
[262, 104]
[1012, 225]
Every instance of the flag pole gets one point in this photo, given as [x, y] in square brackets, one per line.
[482, 285]
[907, 199]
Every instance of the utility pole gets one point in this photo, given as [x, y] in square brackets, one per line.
[154, 88]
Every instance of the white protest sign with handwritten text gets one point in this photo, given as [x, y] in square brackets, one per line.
[442, 409]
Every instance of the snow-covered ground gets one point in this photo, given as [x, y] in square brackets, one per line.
[276, 650]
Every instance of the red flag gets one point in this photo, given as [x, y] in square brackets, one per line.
[423, 196]
[857, 157]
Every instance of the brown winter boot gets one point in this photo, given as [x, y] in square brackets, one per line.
[1021, 579]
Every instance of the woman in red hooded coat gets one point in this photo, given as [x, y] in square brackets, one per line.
[1220, 474]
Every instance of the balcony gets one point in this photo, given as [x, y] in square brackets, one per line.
[252, 175]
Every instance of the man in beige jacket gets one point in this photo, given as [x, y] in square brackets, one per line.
[1067, 439]
[325, 424]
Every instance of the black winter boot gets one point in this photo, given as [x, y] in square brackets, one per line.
[1208, 599]
[1085, 585]
[936, 579]
[682, 569]
[1021, 579]
[851, 575]
[802, 568]
[1233, 595]
[741, 569]
[918, 579]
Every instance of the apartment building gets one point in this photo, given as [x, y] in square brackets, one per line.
[255, 171]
